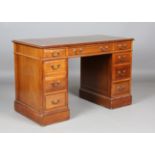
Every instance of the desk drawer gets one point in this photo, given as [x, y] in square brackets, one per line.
[54, 53]
[55, 100]
[121, 88]
[121, 72]
[90, 49]
[122, 45]
[121, 58]
[55, 84]
[55, 67]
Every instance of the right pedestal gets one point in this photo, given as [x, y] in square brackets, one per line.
[106, 79]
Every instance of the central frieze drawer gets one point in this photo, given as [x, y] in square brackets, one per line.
[90, 49]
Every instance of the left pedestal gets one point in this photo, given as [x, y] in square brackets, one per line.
[41, 77]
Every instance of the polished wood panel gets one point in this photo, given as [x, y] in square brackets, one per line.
[28, 92]
[108, 102]
[96, 76]
[41, 74]
[42, 119]
[28, 51]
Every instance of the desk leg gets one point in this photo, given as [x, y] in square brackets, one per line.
[97, 83]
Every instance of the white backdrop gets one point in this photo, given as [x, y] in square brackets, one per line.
[144, 46]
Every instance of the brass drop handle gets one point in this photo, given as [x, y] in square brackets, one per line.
[55, 101]
[124, 71]
[121, 72]
[55, 67]
[56, 84]
[104, 48]
[75, 51]
[80, 50]
[56, 54]
[120, 88]
[121, 58]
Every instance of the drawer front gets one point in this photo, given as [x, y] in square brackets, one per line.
[121, 88]
[121, 58]
[54, 53]
[55, 84]
[122, 72]
[122, 45]
[55, 67]
[82, 50]
[55, 100]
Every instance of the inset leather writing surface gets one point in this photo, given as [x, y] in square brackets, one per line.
[67, 41]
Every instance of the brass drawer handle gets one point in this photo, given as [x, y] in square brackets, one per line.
[76, 51]
[55, 101]
[120, 88]
[121, 72]
[122, 58]
[55, 67]
[105, 48]
[124, 71]
[56, 84]
[56, 54]
[81, 49]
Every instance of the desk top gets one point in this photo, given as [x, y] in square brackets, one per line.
[69, 41]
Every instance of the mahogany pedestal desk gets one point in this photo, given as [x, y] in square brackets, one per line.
[41, 74]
